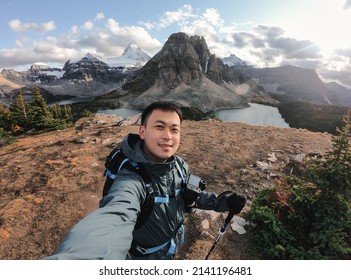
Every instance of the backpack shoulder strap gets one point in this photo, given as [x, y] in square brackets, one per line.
[148, 204]
[116, 161]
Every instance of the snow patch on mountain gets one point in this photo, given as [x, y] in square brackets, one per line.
[233, 60]
[132, 57]
[40, 66]
[40, 71]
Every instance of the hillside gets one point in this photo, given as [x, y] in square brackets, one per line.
[50, 181]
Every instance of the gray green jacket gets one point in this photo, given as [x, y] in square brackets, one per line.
[108, 232]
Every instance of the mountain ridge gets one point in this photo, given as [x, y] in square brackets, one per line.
[97, 78]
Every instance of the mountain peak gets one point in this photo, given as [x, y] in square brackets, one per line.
[40, 66]
[132, 47]
[184, 67]
[89, 56]
[86, 68]
[233, 60]
[132, 56]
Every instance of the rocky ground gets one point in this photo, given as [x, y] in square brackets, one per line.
[50, 181]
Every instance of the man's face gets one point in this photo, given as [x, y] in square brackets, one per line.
[161, 135]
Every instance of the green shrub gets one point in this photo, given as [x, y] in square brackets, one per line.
[6, 138]
[309, 217]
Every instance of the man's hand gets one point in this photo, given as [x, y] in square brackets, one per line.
[236, 203]
[230, 201]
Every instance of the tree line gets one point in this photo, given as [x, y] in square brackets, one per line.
[313, 117]
[24, 116]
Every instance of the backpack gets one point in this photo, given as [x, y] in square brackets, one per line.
[117, 160]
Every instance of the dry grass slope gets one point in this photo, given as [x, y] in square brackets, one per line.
[48, 182]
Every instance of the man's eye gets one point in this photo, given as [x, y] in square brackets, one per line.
[159, 126]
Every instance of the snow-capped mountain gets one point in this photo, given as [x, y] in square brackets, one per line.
[87, 68]
[87, 61]
[233, 60]
[40, 66]
[42, 71]
[132, 57]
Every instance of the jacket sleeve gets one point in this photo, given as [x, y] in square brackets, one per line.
[106, 233]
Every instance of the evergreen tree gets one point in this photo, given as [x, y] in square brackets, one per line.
[41, 117]
[19, 114]
[56, 111]
[67, 113]
[62, 114]
[5, 137]
[5, 127]
[5, 118]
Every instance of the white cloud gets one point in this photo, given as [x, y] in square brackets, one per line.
[74, 29]
[27, 56]
[88, 25]
[113, 25]
[148, 24]
[259, 45]
[17, 26]
[202, 28]
[123, 36]
[341, 76]
[19, 44]
[347, 4]
[170, 17]
[213, 17]
[99, 16]
[344, 52]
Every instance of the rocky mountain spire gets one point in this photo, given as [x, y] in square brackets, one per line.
[185, 71]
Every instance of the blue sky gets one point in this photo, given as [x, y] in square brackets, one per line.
[264, 33]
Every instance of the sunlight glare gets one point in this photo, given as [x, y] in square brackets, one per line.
[326, 25]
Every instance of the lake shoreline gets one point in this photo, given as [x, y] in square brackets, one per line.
[254, 114]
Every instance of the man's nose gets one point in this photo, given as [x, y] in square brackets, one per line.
[167, 134]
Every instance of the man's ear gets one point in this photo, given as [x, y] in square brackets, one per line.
[142, 132]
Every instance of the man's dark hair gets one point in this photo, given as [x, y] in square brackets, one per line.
[163, 106]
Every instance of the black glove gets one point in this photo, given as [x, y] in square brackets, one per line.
[236, 203]
[190, 197]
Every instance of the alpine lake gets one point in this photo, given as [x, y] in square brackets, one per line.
[256, 114]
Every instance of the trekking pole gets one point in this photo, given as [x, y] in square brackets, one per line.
[221, 232]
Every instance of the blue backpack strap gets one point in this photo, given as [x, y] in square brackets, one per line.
[178, 239]
[179, 170]
[146, 251]
[179, 191]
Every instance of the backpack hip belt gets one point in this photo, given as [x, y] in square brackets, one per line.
[141, 251]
